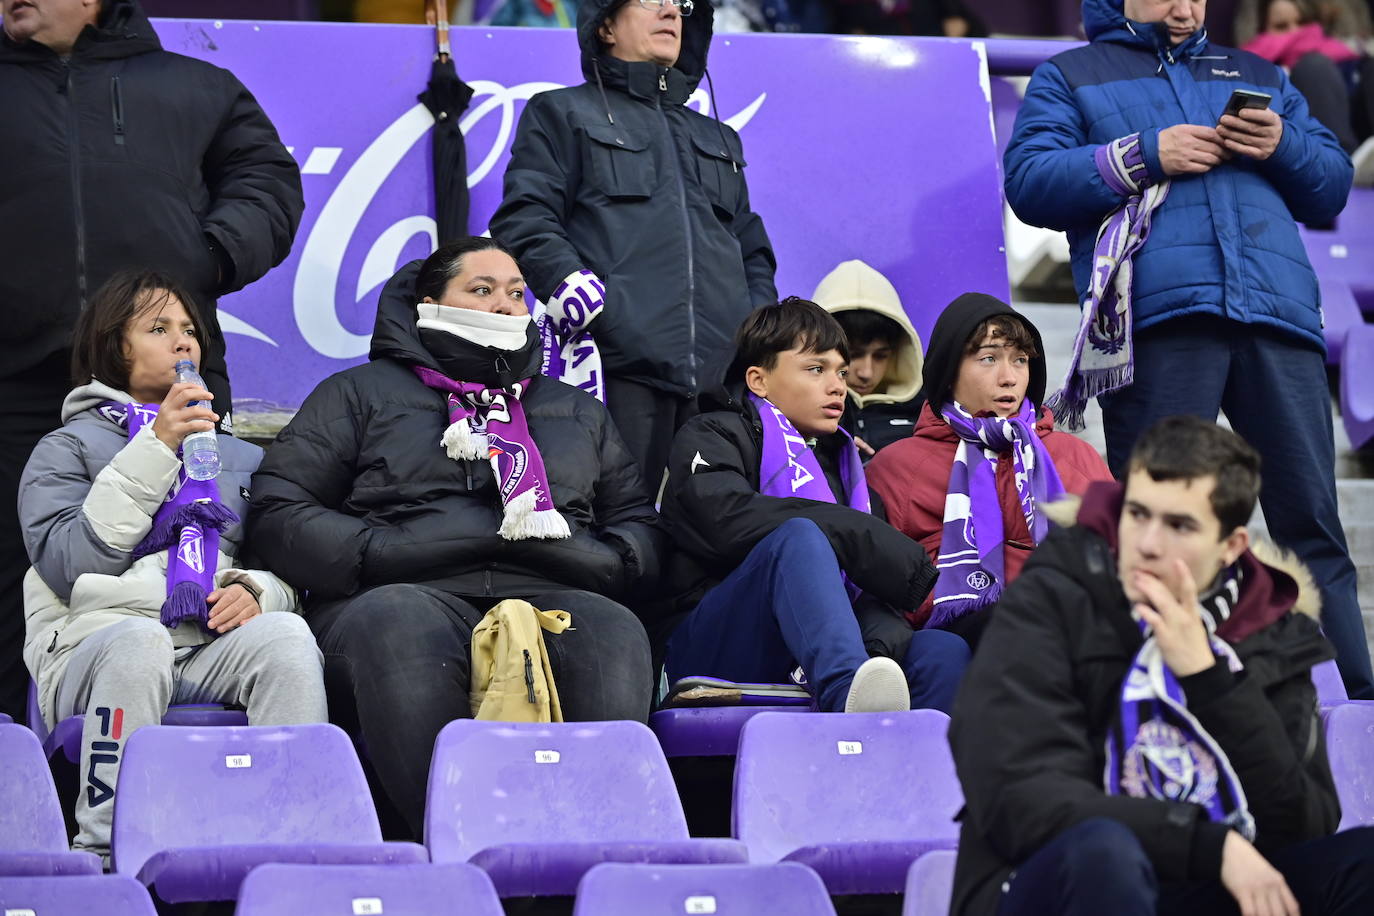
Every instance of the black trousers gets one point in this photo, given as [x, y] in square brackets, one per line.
[402, 655]
[647, 419]
[30, 408]
[1098, 866]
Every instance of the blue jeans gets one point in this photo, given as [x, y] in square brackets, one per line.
[1274, 391]
[786, 605]
[1098, 866]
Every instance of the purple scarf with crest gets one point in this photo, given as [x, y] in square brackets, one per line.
[1103, 358]
[1157, 748]
[970, 561]
[490, 423]
[187, 525]
[788, 467]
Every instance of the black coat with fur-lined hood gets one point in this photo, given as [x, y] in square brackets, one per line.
[1032, 717]
[357, 492]
[126, 155]
[618, 176]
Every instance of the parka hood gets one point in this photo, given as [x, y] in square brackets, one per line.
[91, 395]
[1105, 20]
[853, 286]
[122, 30]
[691, 61]
[951, 332]
[396, 336]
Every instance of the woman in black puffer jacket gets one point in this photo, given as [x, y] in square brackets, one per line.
[403, 542]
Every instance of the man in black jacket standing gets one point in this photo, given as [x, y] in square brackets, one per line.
[628, 209]
[117, 154]
[1138, 732]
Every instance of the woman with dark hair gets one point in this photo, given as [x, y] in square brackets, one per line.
[413, 493]
[137, 598]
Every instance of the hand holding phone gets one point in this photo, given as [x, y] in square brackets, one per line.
[1248, 127]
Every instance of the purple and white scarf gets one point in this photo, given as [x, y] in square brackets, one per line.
[788, 467]
[971, 562]
[187, 525]
[570, 353]
[490, 423]
[1103, 357]
[1157, 748]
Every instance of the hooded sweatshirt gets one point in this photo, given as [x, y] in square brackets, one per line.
[618, 176]
[126, 155]
[912, 476]
[890, 412]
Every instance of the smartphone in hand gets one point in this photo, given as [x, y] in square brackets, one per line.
[1245, 98]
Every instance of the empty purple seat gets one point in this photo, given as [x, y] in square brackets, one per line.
[930, 884]
[1340, 313]
[1326, 677]
[83, 895]
[297, 890]
[5, 719]
[198, 808]
[784, 889]
[708, 731]
[1350, 748]
[536, 805]
[33, 836]
[1357, 385]
[858, 797]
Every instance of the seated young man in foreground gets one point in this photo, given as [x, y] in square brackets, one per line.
[767, 502]
[1138, 732]
[972, 483]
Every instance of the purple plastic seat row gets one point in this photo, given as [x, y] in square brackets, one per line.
[930, 884]
[33, 836]
[296, 890]
[784, 889]
[1350, 749]
[76, 896]
[708, 731]
[199, 808]
[537, 805]
[1357, 385]
[856, 797]
[5, 719]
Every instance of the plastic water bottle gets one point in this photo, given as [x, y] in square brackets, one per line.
[199, 451]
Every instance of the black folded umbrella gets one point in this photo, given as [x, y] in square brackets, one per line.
[447, 97]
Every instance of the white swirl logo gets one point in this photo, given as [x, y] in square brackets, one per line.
[322, 257]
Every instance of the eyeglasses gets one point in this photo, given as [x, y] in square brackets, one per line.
[684, 6]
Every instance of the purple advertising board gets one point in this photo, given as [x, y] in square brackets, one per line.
[871, 148]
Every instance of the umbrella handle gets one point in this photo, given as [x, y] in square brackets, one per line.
[436, 14]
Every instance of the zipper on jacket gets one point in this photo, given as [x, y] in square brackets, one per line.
[53, 645]
[529, 677]
[467, 466]
[117, 110]
[686, 235]
[78, 211]
[486, 581]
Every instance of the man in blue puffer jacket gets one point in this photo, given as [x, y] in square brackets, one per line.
[1197, 292]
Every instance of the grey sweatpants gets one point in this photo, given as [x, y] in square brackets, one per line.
[125, 676]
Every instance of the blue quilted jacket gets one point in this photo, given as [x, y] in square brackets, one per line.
[1223, 243]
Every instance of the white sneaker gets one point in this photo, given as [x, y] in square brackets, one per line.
[1363, 159]
[879, 686]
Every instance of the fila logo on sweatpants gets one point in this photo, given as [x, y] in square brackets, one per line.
[102, 752]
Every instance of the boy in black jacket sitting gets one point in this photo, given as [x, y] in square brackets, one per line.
[1139, 732]
[767, 503]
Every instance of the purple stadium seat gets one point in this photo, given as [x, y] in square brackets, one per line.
[857, 797]
[709, 731]
[198, 808]
[1350, 748]
[84, 895]
[1340, 313]
[67, 734]
[5, 719]
[785, 889]
[296, 890]
[1326, 677]
[33, 837]
[536, 805]
[1357, 385]
[930, 884]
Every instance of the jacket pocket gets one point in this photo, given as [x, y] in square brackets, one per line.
[722, 174]
[622, 164]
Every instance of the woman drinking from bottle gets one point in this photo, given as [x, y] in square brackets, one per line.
[137, 598]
